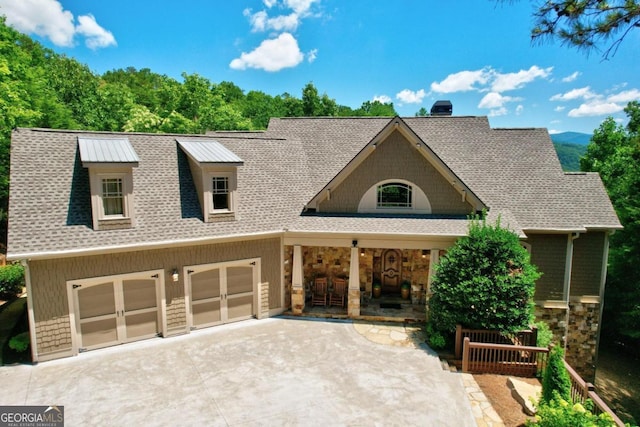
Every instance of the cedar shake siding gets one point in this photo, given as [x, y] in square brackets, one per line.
[49, 277]
[548, 253]
[586, 273]
[396, 158]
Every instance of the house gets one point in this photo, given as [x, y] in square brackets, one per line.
[126, 236]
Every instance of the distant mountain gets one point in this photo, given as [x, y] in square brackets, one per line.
[569, 155]
[571, 138]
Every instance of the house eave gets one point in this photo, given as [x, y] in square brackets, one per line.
[99, 250]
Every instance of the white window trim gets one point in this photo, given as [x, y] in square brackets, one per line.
[419, 201]
[96, 178]
[232, 188]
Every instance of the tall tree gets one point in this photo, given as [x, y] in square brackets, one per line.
[614, 152]
[311, 103]
[587, 24]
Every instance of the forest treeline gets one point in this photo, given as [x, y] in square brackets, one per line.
[40, 88]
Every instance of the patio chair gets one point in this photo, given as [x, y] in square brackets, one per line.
[320, 291]
[339, 294]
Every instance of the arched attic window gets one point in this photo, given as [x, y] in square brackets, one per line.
[394, 196]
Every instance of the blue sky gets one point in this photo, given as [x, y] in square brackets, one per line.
[475, 53]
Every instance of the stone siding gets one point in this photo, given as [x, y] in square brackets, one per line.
[49, 278]
[582, 339]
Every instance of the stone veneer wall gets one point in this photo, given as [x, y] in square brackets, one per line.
[582, 339]
[335, 262]
[576, 329]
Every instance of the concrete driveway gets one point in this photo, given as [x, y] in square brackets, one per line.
[270, 372]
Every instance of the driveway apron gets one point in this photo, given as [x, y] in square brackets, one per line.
[275, 371]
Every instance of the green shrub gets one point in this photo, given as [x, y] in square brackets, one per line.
[559, 412]
[555, 380]
[484, 281]
[436, 340]
[545, 336]
[11, 279]
[19, 342]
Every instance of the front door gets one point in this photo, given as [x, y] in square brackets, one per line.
[221, 293]
[391, 270]
[117, 309]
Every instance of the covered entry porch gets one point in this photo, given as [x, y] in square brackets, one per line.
[386, 279]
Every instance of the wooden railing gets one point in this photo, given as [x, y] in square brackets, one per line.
[504, 359]
[526, 361]
[527, 337]
[582, 390]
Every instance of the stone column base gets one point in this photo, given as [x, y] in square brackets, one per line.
[353, 304]
[297, 300]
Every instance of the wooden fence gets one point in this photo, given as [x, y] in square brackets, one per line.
[526, 361]
[527, 337]
[581, 391]
[504, 359]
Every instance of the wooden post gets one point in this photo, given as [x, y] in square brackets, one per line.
[458, 341]
[465, 355]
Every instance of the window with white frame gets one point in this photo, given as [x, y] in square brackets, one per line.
[394, 195]
[112, 197]
[220, 195]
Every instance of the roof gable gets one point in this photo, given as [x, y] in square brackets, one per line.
[421, 148]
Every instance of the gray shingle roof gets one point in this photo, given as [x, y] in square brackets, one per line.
[516, 172]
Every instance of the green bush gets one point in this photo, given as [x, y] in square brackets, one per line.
[19, 342]
[556, 383]
[485, 281]
[559, 412]
[436, 340]
[11, 279]
[545, 336]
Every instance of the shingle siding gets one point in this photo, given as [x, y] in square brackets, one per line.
[395, 158]
[548, 253]
[49, 278]
[586, 272]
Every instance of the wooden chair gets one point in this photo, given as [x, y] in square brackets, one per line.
[320, 291]
[339, 294]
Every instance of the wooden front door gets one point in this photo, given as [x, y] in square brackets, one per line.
[391, 271]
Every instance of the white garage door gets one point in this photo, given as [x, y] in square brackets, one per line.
[221, 293]
[116, 309]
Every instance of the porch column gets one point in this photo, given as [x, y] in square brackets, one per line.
[434, 258]
[297, 285]
[353, 303]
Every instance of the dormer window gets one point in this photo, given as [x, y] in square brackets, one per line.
[215, 170]
[110, 162]
[394, 195]
[220, 193]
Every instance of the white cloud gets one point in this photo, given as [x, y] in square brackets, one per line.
[96, 35]
[495, 100]
[271, 55]
[411, 97]
[270, 3]
[559, 108]
[300, 7]
[498, 112]
[519, 109]
[462, 81]
[312, 55]
[597, 107]
[581, 93]
[383, 99]
[512, 81]
[571, 77]
[48, 19]
[625, 96]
